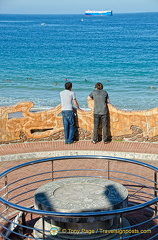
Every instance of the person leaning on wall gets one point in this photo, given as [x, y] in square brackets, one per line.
[101, 99]
[68, 97]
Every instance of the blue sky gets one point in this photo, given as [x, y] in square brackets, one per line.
[76, 6]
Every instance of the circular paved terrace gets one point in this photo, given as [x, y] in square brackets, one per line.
[18, 153]
[33, 150]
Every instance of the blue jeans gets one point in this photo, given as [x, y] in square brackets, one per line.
[97, 119]
[69, 125]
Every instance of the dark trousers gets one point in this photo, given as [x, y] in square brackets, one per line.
[97, 119]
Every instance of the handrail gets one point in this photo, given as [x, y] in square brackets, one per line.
[79, 157]
[83, 214]
[79, 215]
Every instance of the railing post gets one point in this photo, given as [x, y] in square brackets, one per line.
[43, 228]
[52, 171]
[6, 192]
[108, 169]
[155, 192]
[6, 186]
[121, 226]
[23, 222]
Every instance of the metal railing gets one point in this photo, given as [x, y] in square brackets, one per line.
[19, 183]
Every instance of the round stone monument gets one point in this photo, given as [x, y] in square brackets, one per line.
[77, 195]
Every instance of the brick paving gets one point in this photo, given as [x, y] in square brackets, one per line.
[26, 147]
[114, 146]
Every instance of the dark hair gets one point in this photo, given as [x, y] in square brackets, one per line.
[99, 86]
[68, 85]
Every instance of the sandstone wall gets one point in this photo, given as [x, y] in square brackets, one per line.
[19, 124]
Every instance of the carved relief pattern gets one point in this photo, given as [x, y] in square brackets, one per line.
[19, 124]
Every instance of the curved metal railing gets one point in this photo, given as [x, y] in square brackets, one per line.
[19, 183]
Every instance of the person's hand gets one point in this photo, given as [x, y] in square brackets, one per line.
[79, 109]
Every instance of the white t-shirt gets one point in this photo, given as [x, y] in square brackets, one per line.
[67, 97]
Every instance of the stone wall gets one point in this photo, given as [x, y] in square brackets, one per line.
[18, 124]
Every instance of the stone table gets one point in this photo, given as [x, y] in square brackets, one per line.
[76, 195]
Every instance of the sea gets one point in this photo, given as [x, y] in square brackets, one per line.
[39, 53]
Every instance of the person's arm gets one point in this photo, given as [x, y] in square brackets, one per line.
[89, 98]
[107, 99]
[76, 104]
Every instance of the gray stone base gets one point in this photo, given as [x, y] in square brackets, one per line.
[77, 195]
[83, 234]
[81, 194]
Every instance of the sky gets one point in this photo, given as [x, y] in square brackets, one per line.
[75, 6]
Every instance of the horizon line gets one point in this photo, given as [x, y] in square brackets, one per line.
[71, 13]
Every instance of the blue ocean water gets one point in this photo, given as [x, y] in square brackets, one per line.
[39, 52]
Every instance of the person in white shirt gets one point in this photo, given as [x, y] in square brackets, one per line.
[67, 99]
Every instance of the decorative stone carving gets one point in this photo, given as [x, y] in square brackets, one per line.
[48, 126]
